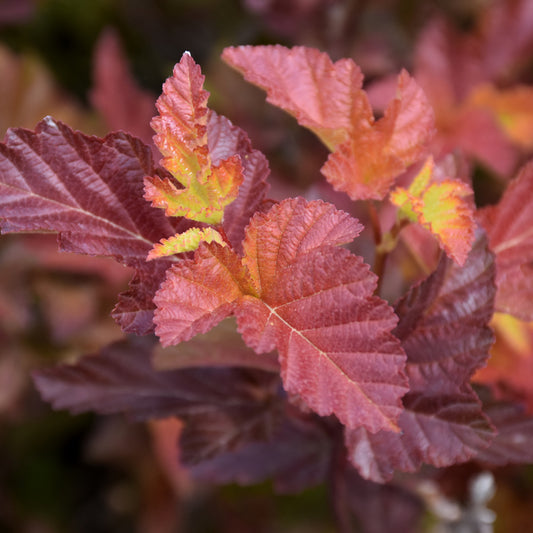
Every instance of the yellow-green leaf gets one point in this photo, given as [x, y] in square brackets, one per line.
[187, 241]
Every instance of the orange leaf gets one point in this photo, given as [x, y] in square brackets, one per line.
[445, 208]
[181, 136]
[512, 108]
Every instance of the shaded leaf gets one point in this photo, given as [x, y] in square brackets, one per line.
[512, 443]
[115, 93]
[444, 207]
[87, 189]
[512, 108]
[444, 330]
[201, 189]
[222, 346]
[509, 226]
[296, 456]
[315, 305]
[120, 379]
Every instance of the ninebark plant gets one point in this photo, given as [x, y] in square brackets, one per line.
[331, 379]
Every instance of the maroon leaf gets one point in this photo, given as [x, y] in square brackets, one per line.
[444, 331]
[512, 443]
[135, 308]
[297, 456]
[90, 190]
[225, 140]
[121, 379]
[436, 429]
[509, 226]
[316, 307]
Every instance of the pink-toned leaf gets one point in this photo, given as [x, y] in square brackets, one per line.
[509, 226]
[116, 95]
[323, 96]
[315, 305]
[444, 330]
[198, 293]
[120, 379]
[327, 98]
[87, 189]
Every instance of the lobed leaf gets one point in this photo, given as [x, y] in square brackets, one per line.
[444, 330]
[509, 226]
[443, 207]
[328, 98]
[201, 189]
[315, 305]
[198, 293]
[120, 379]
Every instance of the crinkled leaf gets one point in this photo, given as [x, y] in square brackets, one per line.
[509, 226]
[327, 98]
[436, 429]
[443, 207]
[198, 293]
[87, 189]
[120, 379]
[187, 241]
[315, 305]
[444, 330]
[297, 456]
[201, 189]
[225, 140]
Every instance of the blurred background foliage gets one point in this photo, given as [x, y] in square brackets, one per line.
[60, 473]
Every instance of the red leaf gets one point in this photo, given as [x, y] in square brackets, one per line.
[509, 226]
[199, 293]
[327, 98]
[87, 189]
[316, 306]
[444, 331]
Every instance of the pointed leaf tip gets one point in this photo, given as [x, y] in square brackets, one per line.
[204, 189]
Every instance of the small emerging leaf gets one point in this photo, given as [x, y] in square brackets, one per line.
[201, 189]
[445, 208]
[187, 241]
